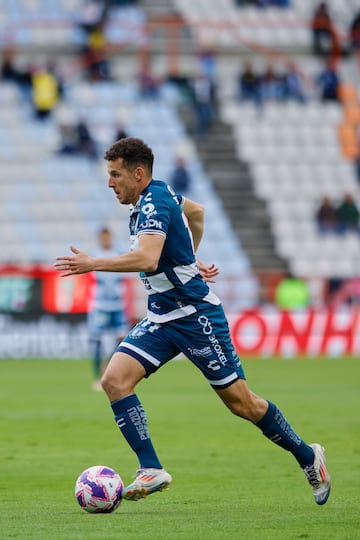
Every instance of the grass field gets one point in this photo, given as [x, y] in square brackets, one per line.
[229, 481]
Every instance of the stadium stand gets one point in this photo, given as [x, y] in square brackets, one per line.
[59, 200]
[295, 153]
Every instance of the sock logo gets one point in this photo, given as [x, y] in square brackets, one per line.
[120, 422]
[138, 418]
[286, 428]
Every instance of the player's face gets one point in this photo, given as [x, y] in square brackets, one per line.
[123, 182]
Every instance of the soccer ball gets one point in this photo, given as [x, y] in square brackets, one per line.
[99, 489]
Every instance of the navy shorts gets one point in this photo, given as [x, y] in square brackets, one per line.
[203, 337]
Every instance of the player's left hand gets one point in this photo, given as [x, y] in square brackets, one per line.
[208, 272]
[79, 263]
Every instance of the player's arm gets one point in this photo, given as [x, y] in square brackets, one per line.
[194, 213]
[145, 258]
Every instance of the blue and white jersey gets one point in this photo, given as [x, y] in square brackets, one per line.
[109, 288]
[176, 289]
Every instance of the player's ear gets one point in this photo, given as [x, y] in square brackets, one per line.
[139, 171]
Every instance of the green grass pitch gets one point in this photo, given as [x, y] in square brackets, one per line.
[228, 480]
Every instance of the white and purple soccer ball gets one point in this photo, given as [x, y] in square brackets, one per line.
[99, 489]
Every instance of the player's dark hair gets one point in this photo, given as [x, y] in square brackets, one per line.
[133, 151]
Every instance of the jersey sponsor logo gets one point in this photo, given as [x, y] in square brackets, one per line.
[148, 208]
[151, 224]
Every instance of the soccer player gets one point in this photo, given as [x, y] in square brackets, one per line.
[183, 316]
[107, 307]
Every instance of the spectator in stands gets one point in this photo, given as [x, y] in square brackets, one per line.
[203, 103]
[46, 90]
[249, 85]
[120, 132]
[183, 85]
[95, 55]
[86, 143]
[348, 215]
[354, 36]
[292, 293]
[10, 72]
[354, 31]
[148, 84]
[68, 140]
[272, 87]
[77, 140]
[180, 178]
[207, 65]
[293, 84]
[326, 217]
[329, 82]
[326, 41]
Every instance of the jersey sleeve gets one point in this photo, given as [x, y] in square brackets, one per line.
[154, 215]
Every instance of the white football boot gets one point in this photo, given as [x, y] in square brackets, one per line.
[147, 481]
[318, 476]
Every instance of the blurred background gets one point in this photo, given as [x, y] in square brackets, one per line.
[251, 107]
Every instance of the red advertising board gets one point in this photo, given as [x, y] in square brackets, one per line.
[34, 291]
[41, 289]
[270, 332]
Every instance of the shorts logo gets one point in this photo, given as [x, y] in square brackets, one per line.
[205, 351]
[214, 342]
[206, 325]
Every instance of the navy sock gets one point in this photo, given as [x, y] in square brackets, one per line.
[276, 428]
[132, 422]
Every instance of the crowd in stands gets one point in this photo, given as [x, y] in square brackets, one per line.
[40, 83]
[288, 84]
[270, 85]
[327, 40]
[338, 219]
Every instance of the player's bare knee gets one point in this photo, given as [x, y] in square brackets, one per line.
[114, 388]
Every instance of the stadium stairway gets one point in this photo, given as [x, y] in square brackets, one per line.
[233, 183]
